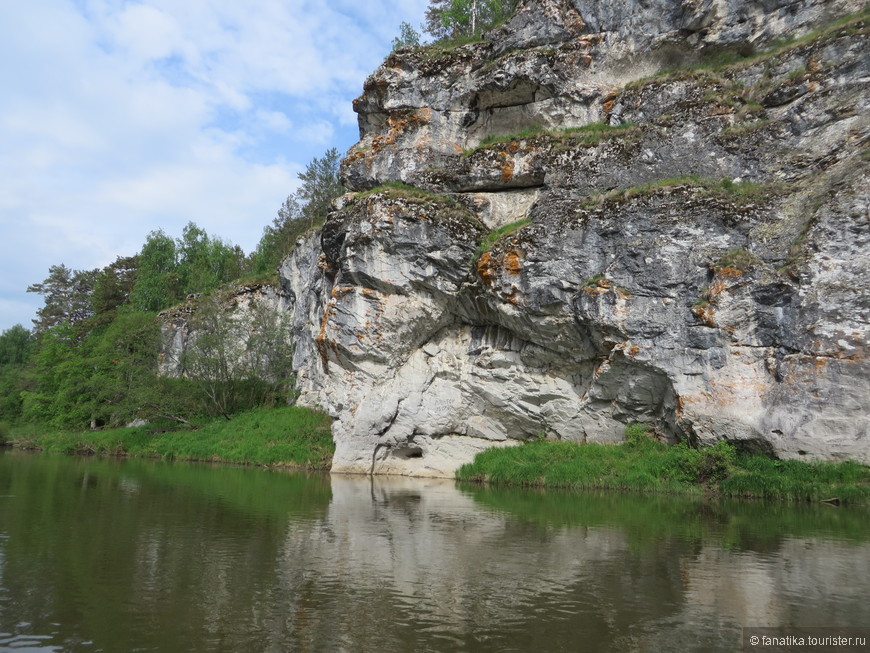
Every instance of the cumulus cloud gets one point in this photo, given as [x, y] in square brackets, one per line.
[120, 117]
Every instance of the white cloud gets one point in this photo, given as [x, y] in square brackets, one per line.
[120, 117]
[276, 121]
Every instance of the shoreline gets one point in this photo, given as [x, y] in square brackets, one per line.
[296, 438]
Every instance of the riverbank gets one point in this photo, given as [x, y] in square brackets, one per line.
[642, 464]
[287, 436]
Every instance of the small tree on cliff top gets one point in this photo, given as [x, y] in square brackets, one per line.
[457, 18]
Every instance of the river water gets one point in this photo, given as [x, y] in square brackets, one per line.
[118, 556]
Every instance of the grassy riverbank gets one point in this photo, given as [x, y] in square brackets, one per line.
[289, 435]
[642, 464]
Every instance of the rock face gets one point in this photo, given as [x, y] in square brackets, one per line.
[687, 248]
[243, 311]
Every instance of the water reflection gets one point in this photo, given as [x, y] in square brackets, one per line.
[109, 556]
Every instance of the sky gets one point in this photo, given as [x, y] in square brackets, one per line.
[118, 118]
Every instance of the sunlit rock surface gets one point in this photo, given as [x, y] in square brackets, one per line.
[687, 249]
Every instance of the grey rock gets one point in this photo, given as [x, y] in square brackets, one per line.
[692, 255]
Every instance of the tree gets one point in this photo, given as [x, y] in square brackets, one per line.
[408, 37]
[300, 212]
[16, 346]
[458, 18]
[433, 23]
[67, 296]
[279, 238]
[320, 185]
[113, 284]
[204, 263]
[169, 270]
[238, 359]
[157, 283]
[123, 363]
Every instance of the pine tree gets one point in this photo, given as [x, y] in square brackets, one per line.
[67, 296]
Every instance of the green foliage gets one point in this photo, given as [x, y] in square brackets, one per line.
[494, 236]
[590, 134]
[744, 54]
[301, 212]
[67, 296]
[320, 185]
[158, 284]
[169, 270]
[204, 262]
[93, 360]
[650, 517]
[408, 37]
[399, 189]
[458, 18]
[264, 436]
[113, 284]
[15, 346]
[238, 361]
[279, 238]
[645, 465]
[744, 191]
[95, 380]
[739, 259]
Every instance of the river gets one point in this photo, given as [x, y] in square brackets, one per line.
[131, 555]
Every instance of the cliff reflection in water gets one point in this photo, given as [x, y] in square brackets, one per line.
[518, 570]
[107, 555]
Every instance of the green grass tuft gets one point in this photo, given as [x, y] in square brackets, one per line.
[497, 234]
[399, 189]
[289, 435]
[642, 464]
[746, 191]
[590, 134]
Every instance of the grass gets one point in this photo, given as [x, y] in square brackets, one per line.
[445, 47]
[741, 57]
[494, 236]
[289, 435]
[446, 206]
[642, 464]
[400, 189]
[737, 259]
[744, 190]
[590, 134]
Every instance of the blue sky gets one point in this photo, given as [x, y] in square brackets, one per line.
[118, 118]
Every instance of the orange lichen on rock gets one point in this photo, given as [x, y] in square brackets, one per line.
[729, 271]
[422, 116]
[598, 286]
[705, 313]
[608, 102]
[507, 169]
[512, 262]
[716, 288]
[485, 268]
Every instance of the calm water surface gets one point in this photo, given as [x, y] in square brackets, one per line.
[117, 556]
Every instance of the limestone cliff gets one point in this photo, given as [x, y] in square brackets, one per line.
[676, 233]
